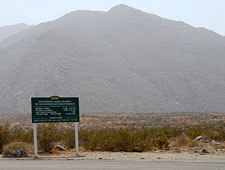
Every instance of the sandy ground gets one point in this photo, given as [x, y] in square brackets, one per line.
[157, 155]
[151, 156]
[108, 165]
[118, 161]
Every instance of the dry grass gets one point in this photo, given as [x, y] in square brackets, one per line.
[183, 141]
[25, 149]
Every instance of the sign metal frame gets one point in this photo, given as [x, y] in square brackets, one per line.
[53, 110]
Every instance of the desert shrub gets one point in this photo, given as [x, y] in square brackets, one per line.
[69, 138]
[1, 139]
[193, 143]
[116, 139]
[4, 136]
[219, 133]
[22, 135]
[47, 134]
[160, 141]
[182, 140]
[212, 132]
[107, 140]
[24, 148]
[193, 132]
[169, 132]
[119, 140]
[141, 139]
[124, 139]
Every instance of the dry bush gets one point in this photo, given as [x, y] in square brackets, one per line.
[209, 131]
[23, 135]
[114, 139]
[47, 135]
[161, 142]
[193, 143]
[4, 136]
[69, 138]
[25, 149]
[182, 141]
[217, 145]
[123, 139]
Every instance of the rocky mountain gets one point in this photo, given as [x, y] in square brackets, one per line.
[123, 60]
[7, 31]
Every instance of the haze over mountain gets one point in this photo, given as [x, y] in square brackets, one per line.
[10, 30]
[123, 60]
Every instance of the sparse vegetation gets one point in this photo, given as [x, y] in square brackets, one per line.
[4, 136]
[48, 134]
[127, 139]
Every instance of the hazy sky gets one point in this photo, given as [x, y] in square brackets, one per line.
[200, 13]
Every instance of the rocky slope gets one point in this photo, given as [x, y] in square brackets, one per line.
[123, 60]
[10, 30]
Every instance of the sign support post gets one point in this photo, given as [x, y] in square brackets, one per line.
[76, 139]
[35, 140]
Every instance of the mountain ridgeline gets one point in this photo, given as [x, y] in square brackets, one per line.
[123, 60]
[10, 30]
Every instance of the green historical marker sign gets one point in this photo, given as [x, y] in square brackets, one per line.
[55, 109]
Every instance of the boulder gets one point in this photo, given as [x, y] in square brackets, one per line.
[18, 154]
[205, 150]
[138, 149]
[59, 148]
[173, 139]
[207, 141]
[199, 138]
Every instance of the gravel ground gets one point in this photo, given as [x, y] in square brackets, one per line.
[118, 161]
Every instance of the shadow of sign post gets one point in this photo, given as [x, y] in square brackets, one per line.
[53, 110]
